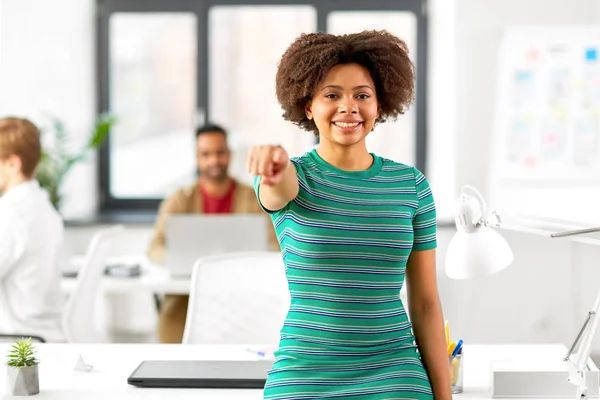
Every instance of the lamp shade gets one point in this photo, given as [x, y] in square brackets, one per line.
[476, 249]
[475, 254]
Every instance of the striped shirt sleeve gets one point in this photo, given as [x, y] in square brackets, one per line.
[424, 221]
[256, 185]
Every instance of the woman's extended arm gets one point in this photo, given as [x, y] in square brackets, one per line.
[279, 181]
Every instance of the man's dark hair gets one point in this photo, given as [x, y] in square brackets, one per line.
[210, 128]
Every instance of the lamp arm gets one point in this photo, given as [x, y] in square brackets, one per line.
[575, 233]
[479, 198]
[578, 363]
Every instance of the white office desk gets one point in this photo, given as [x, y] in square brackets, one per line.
[114, 362]
[154, 278]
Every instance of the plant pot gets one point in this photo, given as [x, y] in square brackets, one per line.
[23, 381]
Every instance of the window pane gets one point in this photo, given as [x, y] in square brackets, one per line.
[394, 139]
[153, 93]
[245, 45]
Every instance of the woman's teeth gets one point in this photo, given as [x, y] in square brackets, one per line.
[346, 124]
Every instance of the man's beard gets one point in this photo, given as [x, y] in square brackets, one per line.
[215, 174]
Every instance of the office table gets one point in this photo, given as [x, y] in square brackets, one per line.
[154, 278]
[112, 364]
[127, 300]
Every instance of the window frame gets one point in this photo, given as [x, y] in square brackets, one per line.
[105, 8]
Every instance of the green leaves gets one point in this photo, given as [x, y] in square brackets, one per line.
[101, 128]
[22, 354]
[58, 161]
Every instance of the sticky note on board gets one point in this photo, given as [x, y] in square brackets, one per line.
[591, 54]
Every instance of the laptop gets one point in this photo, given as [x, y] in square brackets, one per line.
[201, 374]
[192, 236]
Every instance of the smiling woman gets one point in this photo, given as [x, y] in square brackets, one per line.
[351, 225]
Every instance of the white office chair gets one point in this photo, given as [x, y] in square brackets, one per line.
[78, 321]
[237, 298]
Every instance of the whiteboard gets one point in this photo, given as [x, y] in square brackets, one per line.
[545, 155]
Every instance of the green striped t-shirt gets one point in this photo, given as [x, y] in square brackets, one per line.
[345, 241]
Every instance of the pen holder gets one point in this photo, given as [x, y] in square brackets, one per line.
[456, 372]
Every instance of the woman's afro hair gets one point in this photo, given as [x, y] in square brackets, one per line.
[309, 58]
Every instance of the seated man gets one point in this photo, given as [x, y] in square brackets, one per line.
[215, 192]
[31, 233]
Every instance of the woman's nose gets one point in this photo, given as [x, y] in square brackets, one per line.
[348, 106]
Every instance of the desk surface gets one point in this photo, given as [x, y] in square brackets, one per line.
[112, 364]
[154, 278]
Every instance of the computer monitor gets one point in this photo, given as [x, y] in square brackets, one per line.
[192, 236]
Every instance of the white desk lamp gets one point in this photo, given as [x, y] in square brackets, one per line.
[478, 250]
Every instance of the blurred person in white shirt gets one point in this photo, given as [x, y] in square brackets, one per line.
[31, 233]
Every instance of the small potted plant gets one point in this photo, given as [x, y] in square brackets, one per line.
[23, 377]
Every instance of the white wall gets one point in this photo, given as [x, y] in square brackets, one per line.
[47, 70]
[479, 24]
[442, 105]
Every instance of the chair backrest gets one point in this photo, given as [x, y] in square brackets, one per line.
[237, 298]
[78, 321]
[11, 338]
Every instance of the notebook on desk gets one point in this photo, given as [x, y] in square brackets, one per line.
[201, 374]
[192, 236]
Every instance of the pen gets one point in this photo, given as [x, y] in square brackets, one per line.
[257, 352]
[447, 329]
[451, 348]
[458, 348]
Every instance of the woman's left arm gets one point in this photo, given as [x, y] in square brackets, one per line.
[427, 319]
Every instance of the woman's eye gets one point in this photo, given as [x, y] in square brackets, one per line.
[331, 95]
[363, 96]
